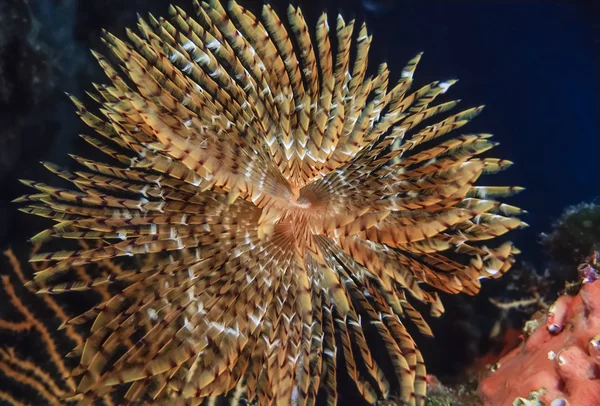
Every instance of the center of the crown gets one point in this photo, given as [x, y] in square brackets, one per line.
[301, 203]
[299, 200]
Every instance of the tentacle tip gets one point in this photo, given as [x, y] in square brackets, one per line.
[27, 182]
[34, 287]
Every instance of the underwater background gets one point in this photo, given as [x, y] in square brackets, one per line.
[534, 64]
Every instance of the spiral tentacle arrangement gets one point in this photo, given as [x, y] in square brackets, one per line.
[299, 207]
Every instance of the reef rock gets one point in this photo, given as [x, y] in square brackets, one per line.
[560, 359]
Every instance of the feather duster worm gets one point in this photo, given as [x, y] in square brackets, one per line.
[297, 207]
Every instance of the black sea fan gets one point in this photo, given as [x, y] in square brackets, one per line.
[294, 202]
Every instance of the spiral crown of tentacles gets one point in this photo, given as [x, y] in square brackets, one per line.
[303, 206]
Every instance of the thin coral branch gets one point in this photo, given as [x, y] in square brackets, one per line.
[46, 378]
